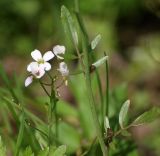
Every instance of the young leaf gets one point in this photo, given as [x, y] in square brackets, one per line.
[147, 116]
[60, 151]
[69, 25]
[123, 113]
[44, 152]
[100, 61]
[2, 148]
[95, 42]
[106, 124]
[28, 152]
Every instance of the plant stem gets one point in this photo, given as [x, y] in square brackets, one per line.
[92, 102]
[100, 91]
[88, 80]
[44, 88]
[106, 106]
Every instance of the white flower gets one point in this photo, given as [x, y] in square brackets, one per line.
[58, 50]
[63, 69]
[37, 71]
[37, 56]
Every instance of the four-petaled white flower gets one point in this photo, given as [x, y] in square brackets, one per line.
[58, 50]
[63, 69]
[37, 71]
[37, 56]
[38, 68]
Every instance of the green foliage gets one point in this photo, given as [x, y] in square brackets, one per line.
[69, 25]
[147, 117]
[100, 61]
[26, 24]
[27, 152]
[60, 151]
[123, 113]
[95, 41]
[2, 148]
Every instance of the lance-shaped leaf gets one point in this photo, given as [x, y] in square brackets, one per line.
[69, 25]
[100, 61]
[106, 124]
[147, 117]
[123, 113]
[95, 41]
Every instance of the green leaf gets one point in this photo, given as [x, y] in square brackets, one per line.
[2, 148]
[21, 133]
[60, 151]
[95, 42]
[44, 152]
[69, 25]
[100, 61]
[147, 116]
[28, 152]
[123, 113]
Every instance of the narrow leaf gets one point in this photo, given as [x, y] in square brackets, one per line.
[21, 133]
[69, 25]
[95, 42]
[100, 61]
[147, 116]
[106, 124]
[123, 113]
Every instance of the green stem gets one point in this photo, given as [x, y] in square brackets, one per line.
[91, 98]
[120, 131]
[88, 80]
[100, 91]
[44, 88]
[106, 106]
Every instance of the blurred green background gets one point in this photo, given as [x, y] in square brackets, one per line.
[130, 31]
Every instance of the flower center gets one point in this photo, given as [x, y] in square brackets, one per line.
[40, 61]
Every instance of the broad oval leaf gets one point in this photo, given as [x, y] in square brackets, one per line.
[147, 117]
[123, 113]
[69, 25]
[95, 41]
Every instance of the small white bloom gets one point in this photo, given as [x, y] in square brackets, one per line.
[63, 69]
[37, 56]
[58, 50]
[37, 71]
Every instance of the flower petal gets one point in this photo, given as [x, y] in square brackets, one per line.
[48, 56]
[34, 67]
[60, 57]
[63, 69]
[58, 49]
[36, 55]
[29, 68]
[40, 73]
[47, 66]
[28, 81]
